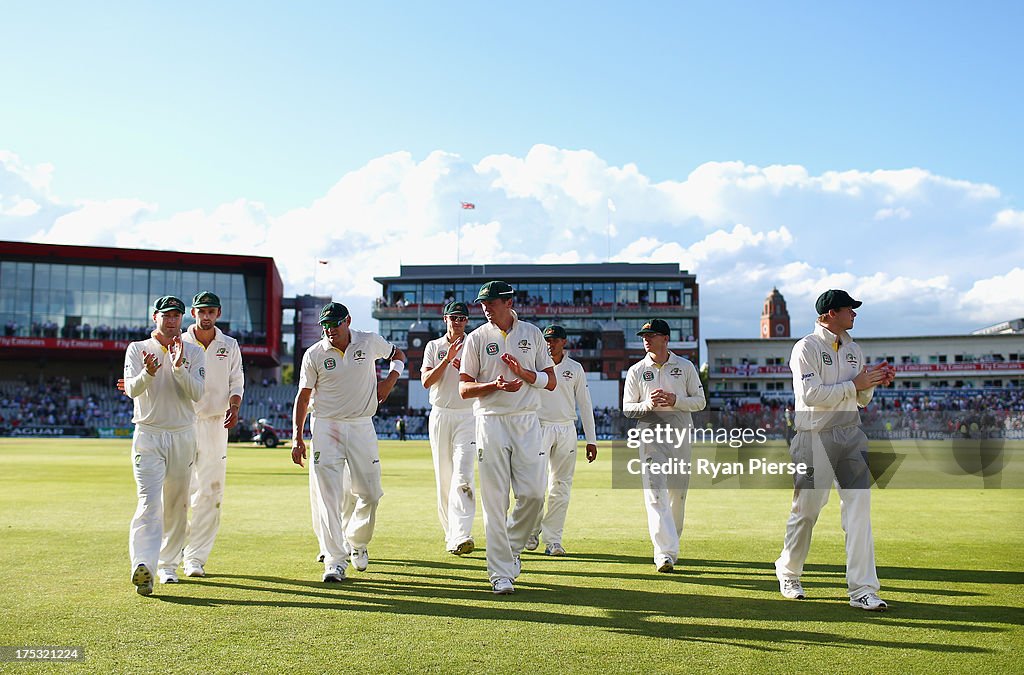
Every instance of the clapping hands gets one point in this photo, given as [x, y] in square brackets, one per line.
[151, 362]
[177, 351]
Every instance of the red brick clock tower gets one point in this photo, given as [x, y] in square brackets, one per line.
[775, 317]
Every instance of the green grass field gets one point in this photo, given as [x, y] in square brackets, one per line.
[950, 562]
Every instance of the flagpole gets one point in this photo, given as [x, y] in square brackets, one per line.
[316, 266]
[458, 230]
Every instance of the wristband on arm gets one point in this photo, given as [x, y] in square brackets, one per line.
[397, 367]
[542, 380]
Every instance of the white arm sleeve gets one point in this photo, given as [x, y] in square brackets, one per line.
[586, 408]
[191, 378]
[694, 401]
[136, 378]
[633, 404]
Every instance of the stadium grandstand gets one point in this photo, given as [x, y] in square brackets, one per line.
[68, 313]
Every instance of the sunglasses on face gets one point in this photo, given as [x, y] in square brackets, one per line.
[457, 318]
[330, 324]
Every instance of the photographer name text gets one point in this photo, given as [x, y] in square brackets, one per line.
[754, 466]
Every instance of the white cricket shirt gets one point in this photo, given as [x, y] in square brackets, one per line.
[678, 376]
[444, 393]
[165, 401]
[559, 406]
[481, 360]
[344, 384]
[824, 365]
[224, 377]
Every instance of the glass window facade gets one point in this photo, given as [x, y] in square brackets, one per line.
[682, 329]
[556, 293]
[100, 302]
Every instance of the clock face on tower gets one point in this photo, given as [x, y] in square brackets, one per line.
[779, 329]
[416, 342]
[764, 330]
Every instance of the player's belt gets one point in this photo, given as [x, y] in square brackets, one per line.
[346, 420]
[455, 411]
[150, 429]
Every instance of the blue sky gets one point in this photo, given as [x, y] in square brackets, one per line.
[894, 133]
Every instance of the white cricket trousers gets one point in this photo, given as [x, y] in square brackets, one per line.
[511, 458]
[854, 506]
[338, 444]
[453, 446]
[665, 498]
[207, 488]
[162, 464]
[348, 505]
[560, 442]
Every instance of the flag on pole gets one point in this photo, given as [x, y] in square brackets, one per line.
[322, 262]
[468, 205]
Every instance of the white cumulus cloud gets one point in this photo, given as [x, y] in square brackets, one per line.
[995, 298]
[1009, 219]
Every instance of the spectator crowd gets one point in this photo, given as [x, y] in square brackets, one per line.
[92, 403]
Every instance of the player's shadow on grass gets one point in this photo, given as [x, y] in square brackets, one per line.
[739, 574]
[606, 558]
[760, 576]
[952, 576]
[409, 590]
[540, 564]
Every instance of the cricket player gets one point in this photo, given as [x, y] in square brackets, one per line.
[504, 366]
[165, 377]
[662, 390]
[338, 381]
[216, 412]
[830, 382]
[452, 431]
[558, 430]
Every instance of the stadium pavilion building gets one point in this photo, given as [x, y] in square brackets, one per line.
[72, 310]
[600, 305]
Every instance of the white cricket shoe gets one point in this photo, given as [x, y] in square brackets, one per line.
[502, 586]
[554, 549]
[333, 573]
[870, 602]
[142, 578]
[194, 569]
[664, 565]
[532, 542]
[792, 589]
[360, 559]
[167, 575]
